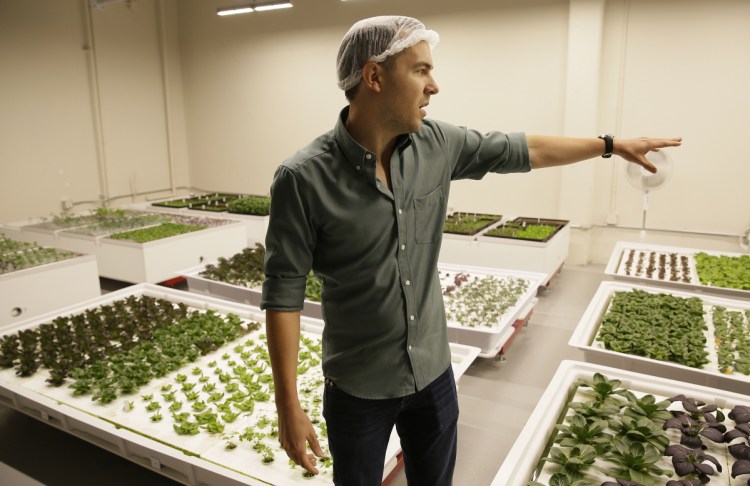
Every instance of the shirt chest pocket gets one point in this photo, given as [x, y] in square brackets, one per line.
[429, 217]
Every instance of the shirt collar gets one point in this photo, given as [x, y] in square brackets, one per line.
[355, 153]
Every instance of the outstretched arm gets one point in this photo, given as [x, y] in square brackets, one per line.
[550, 151]
[295, 429]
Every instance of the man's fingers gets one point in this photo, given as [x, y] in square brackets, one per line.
[307, 461]
[315, 446]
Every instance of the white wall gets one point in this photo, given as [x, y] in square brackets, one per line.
[82, 120]
[258, 87]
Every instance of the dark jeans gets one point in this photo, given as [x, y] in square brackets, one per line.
[359, 429]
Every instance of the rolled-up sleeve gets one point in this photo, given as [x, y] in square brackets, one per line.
[290, 241]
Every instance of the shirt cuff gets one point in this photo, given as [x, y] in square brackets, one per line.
[287, 294]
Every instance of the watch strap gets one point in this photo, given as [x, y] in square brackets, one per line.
[609, 145]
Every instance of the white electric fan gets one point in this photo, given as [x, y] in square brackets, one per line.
[644, 180]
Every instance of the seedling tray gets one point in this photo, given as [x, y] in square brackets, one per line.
[125, 427]
[585, 334]
[686, 274]
[215, 202]
[557, 224]
[236, 293]
[520, 465]
[489, 336]
[474, 223]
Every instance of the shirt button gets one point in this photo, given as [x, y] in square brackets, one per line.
[359, 168]
[410, 347]
[400, 211]
[403, 247]
[411, 318]
[368, 156]
[408, 282]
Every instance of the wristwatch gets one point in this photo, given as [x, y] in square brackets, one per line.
[609, 144]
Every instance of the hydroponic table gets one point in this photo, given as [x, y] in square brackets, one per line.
[669, 266]
[127, 425]
[585, 337]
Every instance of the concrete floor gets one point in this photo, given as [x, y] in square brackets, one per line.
[495, 399]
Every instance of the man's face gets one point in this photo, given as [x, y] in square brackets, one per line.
[407, 87]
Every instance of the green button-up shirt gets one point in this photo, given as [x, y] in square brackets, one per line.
[375, 250]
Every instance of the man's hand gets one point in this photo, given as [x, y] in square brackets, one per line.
[295, 432]
[635, 149]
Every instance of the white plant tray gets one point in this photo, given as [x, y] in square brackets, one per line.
[491, 338]
[584, 336]
[546, 258]
[256, 226]
[616, 267]
[36, 290]
[151, 262]
[236, 293]
[131, 435]
[159, 260]
[522, 460]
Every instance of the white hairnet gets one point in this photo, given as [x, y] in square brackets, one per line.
[375, 39]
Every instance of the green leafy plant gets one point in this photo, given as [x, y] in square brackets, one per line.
[16, 255]
[527, 229]
[723, 271]
[245, 269]
[164, 230]
[474, 301]
[253, 205]
[657, 326]
[468, 223]
[636, 462]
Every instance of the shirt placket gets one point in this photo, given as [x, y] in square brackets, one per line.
[407, 283]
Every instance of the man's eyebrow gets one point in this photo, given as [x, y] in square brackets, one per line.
[423, 64]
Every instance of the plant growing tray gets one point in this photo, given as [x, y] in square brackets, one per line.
[584, 336]
[37, 290]
[123, 426]
[546, 258]
[159, 260]
[558, 224]
[616, 267]
[521, 462]
[236, 293]
[256, 226]
[204, 202]
[492, 337]
[479, 222]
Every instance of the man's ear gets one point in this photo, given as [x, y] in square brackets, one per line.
[372, 76]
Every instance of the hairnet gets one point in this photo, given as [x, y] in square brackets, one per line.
[375, 39]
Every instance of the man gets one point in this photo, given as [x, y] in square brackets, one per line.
[364, 206]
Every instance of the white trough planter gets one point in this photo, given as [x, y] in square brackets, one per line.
[584, 338]
[491, 337]
[617, 268]
[520, 465]
[160, 260]
[546, 258]
[37, 290]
